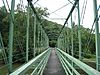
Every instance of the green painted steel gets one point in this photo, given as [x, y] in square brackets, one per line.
[72, 49]
[35, 70]
[89, 70]
[72, 36]
[43, 57]
[41, 43]
[41, 65]
[39, 20]
[11, 29]
[67, 63]
[34, 35]
[79, 33]
[44, 64]
[97, 38]
[66, 68]
[71, 11]
[27, 34]
[40, 40]
[39, 37]
[67, 40]
[4, 5]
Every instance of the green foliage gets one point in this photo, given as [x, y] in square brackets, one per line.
[51, 28]
[87, 39]
[4, 24]
[42, 11]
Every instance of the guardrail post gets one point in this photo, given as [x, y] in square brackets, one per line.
[97, 40]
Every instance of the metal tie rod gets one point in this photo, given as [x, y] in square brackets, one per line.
[74, 5]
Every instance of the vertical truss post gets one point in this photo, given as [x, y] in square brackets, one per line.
[72, 52]
[97, 40]
[27, 34]
[79, 33]
[47, 41]
[67, 40]
[46, 38]
[62, 41]
[58, 42]
[42, 38]
[38, 37]
[11, 29]
[72, 36]
[34, 33]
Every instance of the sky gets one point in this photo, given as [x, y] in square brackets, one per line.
[53, 5]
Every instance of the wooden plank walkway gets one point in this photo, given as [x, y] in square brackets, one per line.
[54, 66]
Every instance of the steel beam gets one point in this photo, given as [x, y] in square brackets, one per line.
[89, 70]
[34, 34]
[72, 37]
[79, 33]
[97, 35]
[11, 30]
[27, 34]
[26, 67]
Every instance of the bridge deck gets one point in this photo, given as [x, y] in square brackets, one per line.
[54, 66]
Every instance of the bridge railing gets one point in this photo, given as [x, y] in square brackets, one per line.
[34, 66]
[68, 64]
